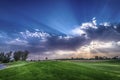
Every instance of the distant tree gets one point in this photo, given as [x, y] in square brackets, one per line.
[24, 55]
[72, 58]
[8, 56]
[17, 55]
[46, 58]
[1, 56]
[21, 55]
[5, 57]
[101, 58]
[115, 57]
[96, 57]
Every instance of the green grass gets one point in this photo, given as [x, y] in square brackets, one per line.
[61, 70]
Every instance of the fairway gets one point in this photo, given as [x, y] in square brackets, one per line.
[61, 70]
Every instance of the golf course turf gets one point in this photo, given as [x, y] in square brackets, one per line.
[61, 70]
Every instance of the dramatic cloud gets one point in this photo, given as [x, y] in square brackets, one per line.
[37, 34]
[95, 48]
[18, 42]
[63, 28]
[103, 31]
[87, 40]
[85, 26]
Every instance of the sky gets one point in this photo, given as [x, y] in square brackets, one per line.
[60, 28]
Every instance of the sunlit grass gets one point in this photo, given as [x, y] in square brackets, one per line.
[61, 70]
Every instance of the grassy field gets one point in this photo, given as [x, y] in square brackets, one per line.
[61, 70]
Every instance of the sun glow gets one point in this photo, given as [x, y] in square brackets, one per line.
[86, 51]
[100, 44]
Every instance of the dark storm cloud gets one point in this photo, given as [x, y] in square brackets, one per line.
[56, 43]
[66, 44]
[104, 33]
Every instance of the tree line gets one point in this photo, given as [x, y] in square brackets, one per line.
[13, 56]
[94, 58]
